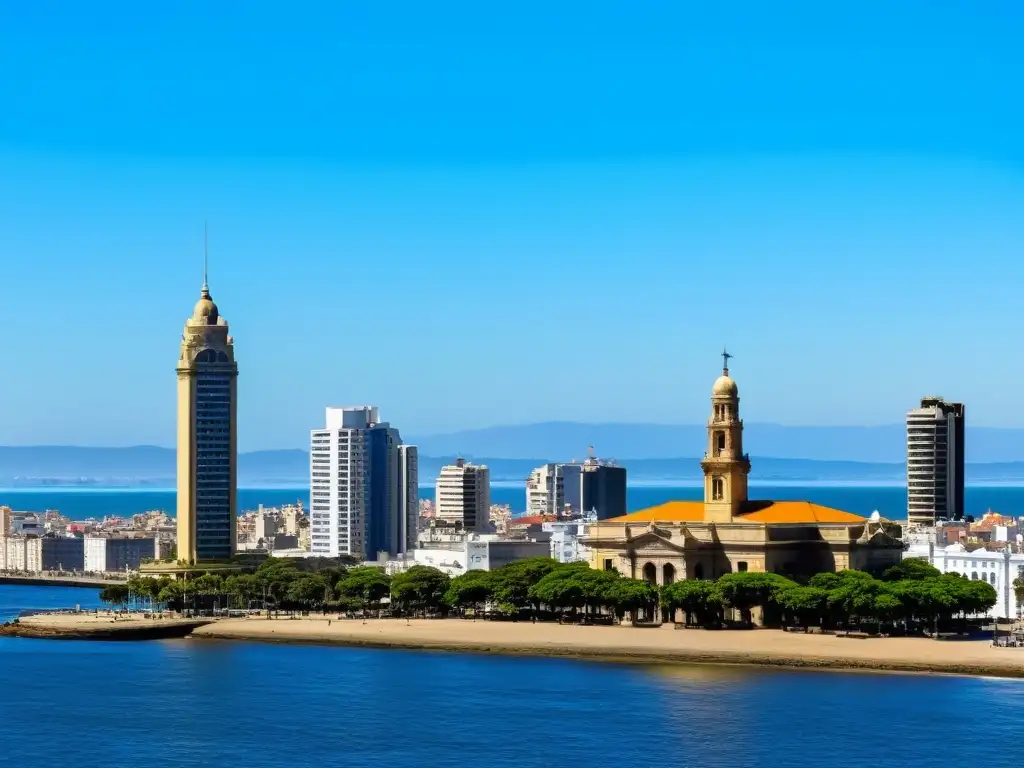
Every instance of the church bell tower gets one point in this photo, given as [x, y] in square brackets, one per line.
[725, 465]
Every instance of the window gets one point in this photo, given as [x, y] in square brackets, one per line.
[741, 566]
[717, 488]
[608, 564]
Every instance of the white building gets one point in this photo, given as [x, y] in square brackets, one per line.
[108, 554]
[477, 552]
[338, 483]
[463, 495]
[566, 539]
[545, 491]
[356, 484]
[997, 568]
[23, 554]
[935, 462]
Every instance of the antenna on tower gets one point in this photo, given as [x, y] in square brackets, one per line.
[206, 255]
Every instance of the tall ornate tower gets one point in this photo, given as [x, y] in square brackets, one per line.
[725, 465]
[207, 436]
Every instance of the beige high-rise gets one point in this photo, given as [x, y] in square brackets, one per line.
[207, 436]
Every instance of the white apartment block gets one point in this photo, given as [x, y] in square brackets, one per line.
[338, 483]
[545, 491]
[363, 486]
[463, 495]
[23, 554]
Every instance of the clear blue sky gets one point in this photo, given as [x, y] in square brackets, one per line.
[474, 214]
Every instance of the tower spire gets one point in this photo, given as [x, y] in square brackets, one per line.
[206, 259]
[725, 361]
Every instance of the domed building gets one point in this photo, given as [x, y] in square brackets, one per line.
[728, 531]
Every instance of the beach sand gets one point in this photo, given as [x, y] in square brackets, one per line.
[660, 645]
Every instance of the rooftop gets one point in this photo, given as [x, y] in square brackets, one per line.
[761, 512]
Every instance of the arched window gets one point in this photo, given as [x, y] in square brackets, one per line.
[719, 442]
[651, 573]
[668, 573]
[717, 488]
[974, 577]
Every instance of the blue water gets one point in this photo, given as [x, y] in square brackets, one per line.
[891, 501]
[185, 703]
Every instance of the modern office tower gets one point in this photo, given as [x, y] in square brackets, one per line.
[408, 498]
[577, 488]
[463, 495]
[207, 435]
[935, 462]
[357, 486]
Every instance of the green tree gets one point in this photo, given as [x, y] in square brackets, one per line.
[310, 590]
[911, 569]
[700, 600]
[243, 587]
[115, 594]
[575, 586]
[747, 590]
[511, 584]
[421, 588]
[364, 586]
[276, 576]
[805, 605]
[469, 590]
[1018, 589]
[631, 595]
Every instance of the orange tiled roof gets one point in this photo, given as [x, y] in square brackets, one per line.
[757, 512]
[669, 512]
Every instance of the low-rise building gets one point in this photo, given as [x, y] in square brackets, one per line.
[483, 552]
[63, 553]
[567, 545]
[21, 554]
[999, 567]
[106, 554]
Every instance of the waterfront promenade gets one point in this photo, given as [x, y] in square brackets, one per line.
[61, 580]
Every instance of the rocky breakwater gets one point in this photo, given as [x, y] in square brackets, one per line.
[99, 626]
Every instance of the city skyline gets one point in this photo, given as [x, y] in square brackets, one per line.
[832, 204]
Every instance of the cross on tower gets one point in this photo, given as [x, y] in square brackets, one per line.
[725, 361]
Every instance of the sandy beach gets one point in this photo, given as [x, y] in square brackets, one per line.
[664, 645]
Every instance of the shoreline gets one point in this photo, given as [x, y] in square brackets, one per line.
[662, 646]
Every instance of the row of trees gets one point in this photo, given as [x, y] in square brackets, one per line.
[912, 594]
[280, 584]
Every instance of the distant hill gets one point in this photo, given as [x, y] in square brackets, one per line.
[153, 466]
[567, 440]
[137, 465]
